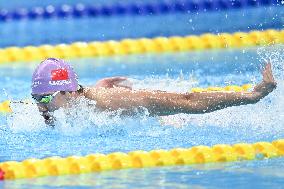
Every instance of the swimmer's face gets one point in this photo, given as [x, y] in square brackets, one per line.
[59, 100]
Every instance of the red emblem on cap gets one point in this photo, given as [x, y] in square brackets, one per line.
[59, 74]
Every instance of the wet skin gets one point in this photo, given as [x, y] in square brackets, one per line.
[111, 95]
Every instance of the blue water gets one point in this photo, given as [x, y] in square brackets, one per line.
[54, 31]
[14, 4]
[257, 174]
[24, 135]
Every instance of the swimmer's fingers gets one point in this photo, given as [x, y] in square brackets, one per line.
[264, 73]
[268, 83]
[267, 74]
[268, 78]
[271, 77]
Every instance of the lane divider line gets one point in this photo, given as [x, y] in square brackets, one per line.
[143, 8]
[55, 166]
[143, 45]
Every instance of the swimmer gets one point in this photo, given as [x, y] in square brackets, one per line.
[55, 85]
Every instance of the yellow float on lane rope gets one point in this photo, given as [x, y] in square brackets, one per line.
[143, 45]
[229, 88]
[55, 166]
[5, 107]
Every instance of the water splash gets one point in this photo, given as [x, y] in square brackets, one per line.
[83, 117]
[261, 118]
[264, 118]
[275, 55]
[180, 84]
[25, 118]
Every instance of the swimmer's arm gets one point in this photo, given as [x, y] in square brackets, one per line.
[198, 103]
[211, 101]
[160, 103]
[164, 103]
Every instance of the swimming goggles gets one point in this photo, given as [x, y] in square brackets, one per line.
[45, 99]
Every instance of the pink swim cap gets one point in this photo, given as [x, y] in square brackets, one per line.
[53, 75]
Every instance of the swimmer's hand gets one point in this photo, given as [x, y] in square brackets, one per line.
[114, 82]
[267, 85]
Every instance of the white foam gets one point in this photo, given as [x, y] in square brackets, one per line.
[265, 116]
[275, 55]
[180, 84]
[25, 117]
[84, 117]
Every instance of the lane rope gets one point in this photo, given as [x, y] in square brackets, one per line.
[134, 8]
[143, 45]
[55, 166]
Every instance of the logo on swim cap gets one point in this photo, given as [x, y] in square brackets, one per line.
[53, 75]
[60, 82]
[59, 74]
[59, 77]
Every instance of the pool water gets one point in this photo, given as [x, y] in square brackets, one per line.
[55, 31]
[24, 134]
[82, 131]
[259, 174]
